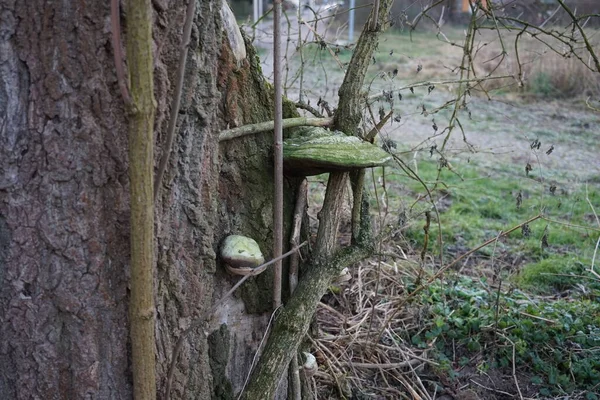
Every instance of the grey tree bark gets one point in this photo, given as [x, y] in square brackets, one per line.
[64, 206]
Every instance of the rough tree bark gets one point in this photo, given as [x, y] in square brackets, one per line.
[64, 203]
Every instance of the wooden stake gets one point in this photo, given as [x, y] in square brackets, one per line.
[278, 143]
[141, 166]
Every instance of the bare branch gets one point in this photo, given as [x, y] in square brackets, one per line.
[308, 108]
[583, 35]
[278, 155]
[116, 44]
[176, 101]
[270, 125]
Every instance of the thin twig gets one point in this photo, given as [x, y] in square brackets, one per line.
[591, 107]
[404, 364]
[332, 368]
[492, 389]
[592, 266]
[118, 55]
[176, 100]
[514, 363]
[278, 155]
[335, 57]
[259, 20]
[377, 128]
[411, 172]
[572, 226]
[588, 45]
[310, 109]
[258, 351]
[442, 82]
[301, 200]
[587, 199]
[300, 49]
[299, 210]
[538, 317]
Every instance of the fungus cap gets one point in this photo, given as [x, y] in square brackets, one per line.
[316, 150]
[310, 366]
[241, 255]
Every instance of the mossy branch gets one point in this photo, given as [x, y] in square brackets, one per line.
[292, 323]
[141, 165]
[270, 125]
[349, 112]
[330, 215]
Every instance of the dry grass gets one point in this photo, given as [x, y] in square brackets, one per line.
[358, 344]
[544, 71]
[363, 335]
[362, 354]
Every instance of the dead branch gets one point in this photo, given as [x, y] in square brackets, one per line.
[270, 125]
[176, 101]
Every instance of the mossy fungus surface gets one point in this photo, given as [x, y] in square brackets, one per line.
[241, 252]
[316, 150]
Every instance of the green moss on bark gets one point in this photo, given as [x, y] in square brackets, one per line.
[246, 182]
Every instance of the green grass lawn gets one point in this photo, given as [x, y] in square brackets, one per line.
[477, 203]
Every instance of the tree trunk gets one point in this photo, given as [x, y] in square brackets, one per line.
[64, 203]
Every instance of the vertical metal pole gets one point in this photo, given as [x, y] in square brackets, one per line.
[351, 21]
[260, 11]
[255, 10]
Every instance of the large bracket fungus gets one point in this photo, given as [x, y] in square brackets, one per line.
[315, 150]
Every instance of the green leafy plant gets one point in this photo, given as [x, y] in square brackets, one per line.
[556, 341]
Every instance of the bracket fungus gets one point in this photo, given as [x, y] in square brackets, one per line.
[316, 150]
[310, 366]
[242, 255]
